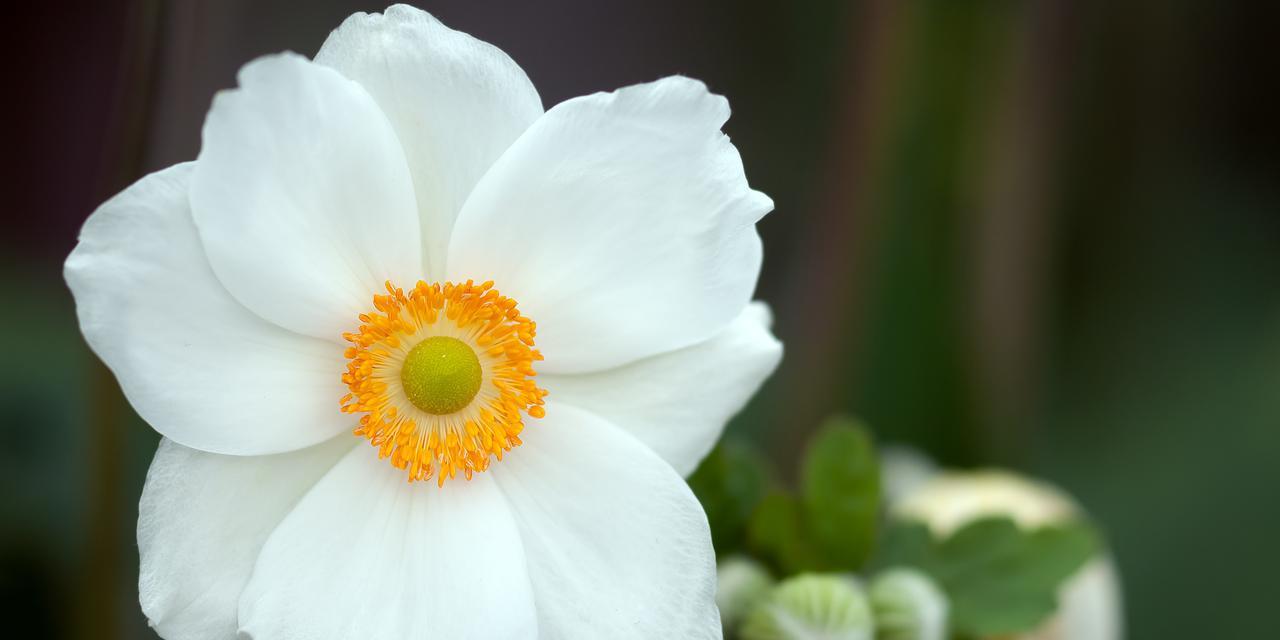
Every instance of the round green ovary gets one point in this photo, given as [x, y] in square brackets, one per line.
[441, 375]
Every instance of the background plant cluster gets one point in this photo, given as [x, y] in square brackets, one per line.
[999, 578]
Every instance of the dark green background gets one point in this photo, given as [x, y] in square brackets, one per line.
[1043, 235]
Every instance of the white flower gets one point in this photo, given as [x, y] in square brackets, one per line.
[227, 296]
[1090, 606]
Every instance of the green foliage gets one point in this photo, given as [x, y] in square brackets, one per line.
[840, 491]
[778, 535]
[831, 526]
[903, 543]
[1000, 578]
[729, 483]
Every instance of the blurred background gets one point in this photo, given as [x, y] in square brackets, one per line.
[1041, 235]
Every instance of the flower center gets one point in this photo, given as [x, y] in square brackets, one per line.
[443, 375]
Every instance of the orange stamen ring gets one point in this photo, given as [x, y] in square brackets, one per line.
[465, 441]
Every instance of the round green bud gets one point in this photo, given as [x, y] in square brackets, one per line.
[441, 375]
[908, 606]
[808, 606]
[740, 583]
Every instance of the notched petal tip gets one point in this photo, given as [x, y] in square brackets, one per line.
[672, 93]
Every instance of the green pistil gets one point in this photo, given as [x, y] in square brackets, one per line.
[441, 375]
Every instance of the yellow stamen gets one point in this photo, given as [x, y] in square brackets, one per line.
[442, 375]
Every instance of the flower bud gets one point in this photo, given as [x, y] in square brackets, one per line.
[908, 606]
[810, 606]
[740, 583]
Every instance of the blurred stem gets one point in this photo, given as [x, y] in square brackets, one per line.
[122, 164]
[1010, 235]
[832, 245]
[101, 617]
[912, 376]
[929, 234]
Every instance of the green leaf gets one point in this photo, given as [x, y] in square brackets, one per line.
[998, 613]
[1060, 551]
[902, 543]
[1001, 579]
[729, 483]
[840, 493]
[976, 549]
[776, 535]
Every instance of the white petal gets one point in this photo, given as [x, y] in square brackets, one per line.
[201, 522]
[618, 547]
[1090, 605]
[456, 103]
[195, 364]
[303, 198]
[368, 555]
[678, 402]
[622, 223]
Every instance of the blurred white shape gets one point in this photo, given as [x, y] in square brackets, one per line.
[740, 583]
[1090, 603]
[903, 469]
[908, 605]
